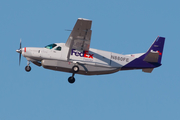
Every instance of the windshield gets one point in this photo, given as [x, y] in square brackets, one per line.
[50, 46]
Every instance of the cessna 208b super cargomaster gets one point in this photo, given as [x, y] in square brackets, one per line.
[76, 57]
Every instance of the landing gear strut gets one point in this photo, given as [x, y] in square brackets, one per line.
[75, 69]
[28, 68]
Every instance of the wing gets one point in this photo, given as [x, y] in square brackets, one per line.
[80, 36]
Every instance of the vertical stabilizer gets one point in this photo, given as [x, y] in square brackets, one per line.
[149, 60]
[154, 54]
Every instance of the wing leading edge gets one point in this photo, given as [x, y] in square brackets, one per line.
[80, 36]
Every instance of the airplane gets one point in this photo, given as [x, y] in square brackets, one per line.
[76, 57]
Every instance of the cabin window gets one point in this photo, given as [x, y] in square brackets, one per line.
[58, 48]
[50, 46]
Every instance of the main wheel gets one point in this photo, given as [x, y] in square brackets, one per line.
[75, 69]
[28, 68]
[71, 80]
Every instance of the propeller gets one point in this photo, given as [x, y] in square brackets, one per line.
[20, 52]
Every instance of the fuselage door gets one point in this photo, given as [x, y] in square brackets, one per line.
[52, 51]
[55, 53]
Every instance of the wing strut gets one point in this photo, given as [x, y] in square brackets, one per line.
[70, 48]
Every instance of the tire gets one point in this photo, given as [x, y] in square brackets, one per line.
[28, 68]
[75, 69]
[71, 80]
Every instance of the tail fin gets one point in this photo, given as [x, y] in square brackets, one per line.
[154, 54]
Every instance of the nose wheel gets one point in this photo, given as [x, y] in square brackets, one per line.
[28, 68]
[75, 69]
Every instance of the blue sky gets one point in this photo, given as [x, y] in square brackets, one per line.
[122, 26]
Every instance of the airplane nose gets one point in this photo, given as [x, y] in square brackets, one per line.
[19, 51]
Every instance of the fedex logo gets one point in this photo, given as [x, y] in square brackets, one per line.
[82, 54]
[156, 52]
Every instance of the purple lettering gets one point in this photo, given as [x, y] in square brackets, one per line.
[82, 54]
[76, 54]
[72, 51]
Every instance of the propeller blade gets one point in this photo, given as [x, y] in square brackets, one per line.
[20, 44]
[20, 51]
[19, 58]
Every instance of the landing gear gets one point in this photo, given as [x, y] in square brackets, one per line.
[71, 80]
[28, 68]
[75, 69]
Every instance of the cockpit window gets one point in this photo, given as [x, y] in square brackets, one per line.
[58, 48]
[50, 46]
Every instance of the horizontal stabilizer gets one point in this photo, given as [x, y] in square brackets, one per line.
[152, 57]
[148, 70]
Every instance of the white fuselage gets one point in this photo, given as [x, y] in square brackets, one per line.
[92, 62]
